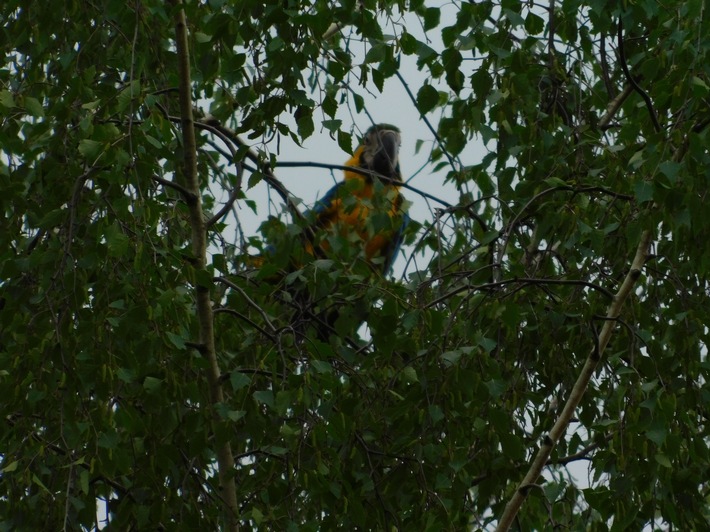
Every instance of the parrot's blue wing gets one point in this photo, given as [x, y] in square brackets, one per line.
[323, 204]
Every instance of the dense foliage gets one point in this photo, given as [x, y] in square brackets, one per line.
[594, 116]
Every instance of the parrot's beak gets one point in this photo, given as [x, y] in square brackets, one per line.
[385, 159]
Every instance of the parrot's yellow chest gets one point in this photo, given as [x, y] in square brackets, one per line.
[350, 216]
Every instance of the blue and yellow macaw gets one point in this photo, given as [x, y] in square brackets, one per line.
[363, 214]
[353, 208]
[365, 209]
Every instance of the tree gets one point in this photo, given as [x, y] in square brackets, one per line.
[560, 316]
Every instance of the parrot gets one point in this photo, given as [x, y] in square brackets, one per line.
[350, 209]
[365, 212]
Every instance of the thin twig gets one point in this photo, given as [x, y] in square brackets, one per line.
[522, 280]
[581, 454]
[365, 172]
[632, 81]
[250, 301]
[224, 310]
[232, 198]
[428, 124]
[605, 67]
[188, 196]
[230, 136]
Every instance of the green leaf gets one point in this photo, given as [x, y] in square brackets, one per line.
[432, 17]
[663, 460]
[12, 466]
[345, 141]
[90, 149]
[152, 385]
[176, 340]
[84, 481]
[129, 94]
[332, 125]
[38, 482]
[410, 374]
[321, 366]
[496, 388]
[117, 242]
[254, 179]
[265, 397]
[670, 169]
[427, 99]
[376, 53]
[33, 107]
[436, 414]
[534, 24]
[238, 380]
[643, 191]
[126, 375]
[658, 433]
[257, 516]
[450, 358]
[6, 99]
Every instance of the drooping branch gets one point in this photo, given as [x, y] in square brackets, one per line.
[569, 188]
[455, 167]
[590, 365]
[230, 137]
[633, 82]
[225, 458]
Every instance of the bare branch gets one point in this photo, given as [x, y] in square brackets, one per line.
[582, 454]
[251, 302]
[223, 310]
[614, 107]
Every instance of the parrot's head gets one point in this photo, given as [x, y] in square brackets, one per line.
[380, 150]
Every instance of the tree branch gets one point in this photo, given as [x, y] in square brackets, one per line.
[232, 198]
[549, 442]
[225, 458]
[225, 310]
[614, 106]
[251, 302]
[581, 454]
[632, 81]
[187, 195]
[428, 124]
[522, 280]
[229, 136]
[363, 171]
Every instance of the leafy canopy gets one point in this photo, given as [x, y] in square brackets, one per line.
[592, 117]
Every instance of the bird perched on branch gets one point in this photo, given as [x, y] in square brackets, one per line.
[366, 208]
[363, 214]
[361, 217]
